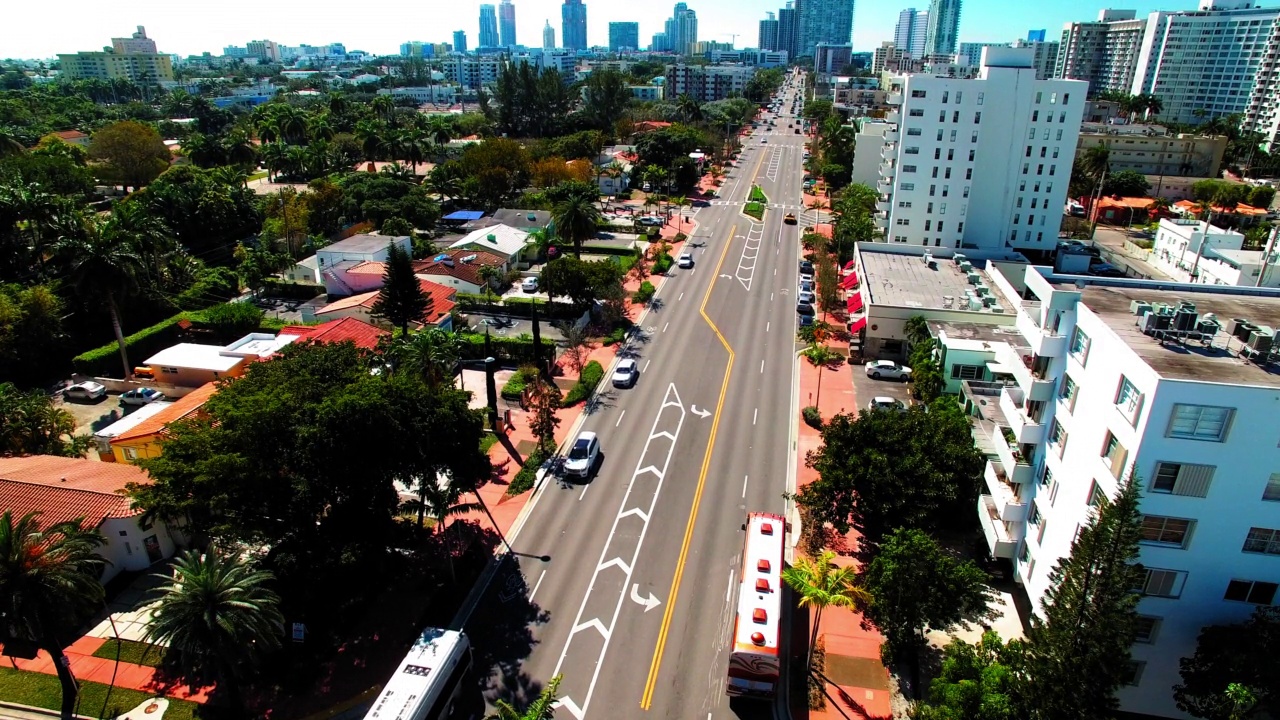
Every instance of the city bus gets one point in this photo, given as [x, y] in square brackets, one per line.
[754, 663]
[429, 681]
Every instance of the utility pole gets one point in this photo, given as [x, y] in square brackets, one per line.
[1208, 225]
[1266, 256]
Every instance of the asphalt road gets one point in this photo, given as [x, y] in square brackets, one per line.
[624, 582]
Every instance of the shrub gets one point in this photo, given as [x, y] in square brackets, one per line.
[812, 417]
[506, 349]
[291, 290]
[646, 291]
[146, 342]
[232, 320]
[820, 355]
[754, 209]
[213, 286]
[680, 237]
[592, 374]
[528, 474]
[513, 389]
[616, 336]
[757, 195]
[662, 263]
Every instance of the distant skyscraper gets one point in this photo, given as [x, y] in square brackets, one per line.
[789, 30]
[573, 21]
[488, 27]
[624, 36]
[548, 37]
[460, 41]
[909, 33]
[660, 43]
[768, 33]
[824, 21]
[1035, 36]
[135, 44]
[682, 30]
[944, 27]
[507, 23]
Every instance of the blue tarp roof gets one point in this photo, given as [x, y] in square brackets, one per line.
[464, 215]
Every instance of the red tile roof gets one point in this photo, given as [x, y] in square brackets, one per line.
[184, 407]
[368, 267]
[62, 489]
[344, 329]
[441, 298]
[1241, 209]
[70, 134]
[465, 271]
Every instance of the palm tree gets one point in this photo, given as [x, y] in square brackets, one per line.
[1152, 105]
[431, 353]
[102, 262]
[576, 220]
[689, 109]
[441, 500]
[414, 144]
[369, 134]
[681, 202]
[440, 131]
[488, 274]
[217, 616]
[540, 709]
[384, 106]
[820, 585]
[48, 584]
[319, 127]
[148, 235]
[273, 156]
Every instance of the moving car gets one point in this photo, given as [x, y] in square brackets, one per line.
[141, 396]
[886, 403]
[646, 187]
[790, 219]
[625, 374]
[529, 285]
[804, 308]
[87, 390]
[582, 456]
[888, 370]
[685, 260]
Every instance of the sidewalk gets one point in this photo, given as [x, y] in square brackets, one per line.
[84, 666]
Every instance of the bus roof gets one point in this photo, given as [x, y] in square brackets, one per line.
[765, 533]
[418, 680]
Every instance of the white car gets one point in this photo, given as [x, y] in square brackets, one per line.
[625, 374]
[87, 390]
[886, 403]
[530, 285]
[582, 456]
[141, 396]
[806, 278]
[685, 260]
[805, 296]
[888, 370]
[651, 221]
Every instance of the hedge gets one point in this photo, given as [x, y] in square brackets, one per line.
[592, 374]
[292, 290]
[528, 474]
[644, 294]
[517, 307]
[513, 389]
[506, 349]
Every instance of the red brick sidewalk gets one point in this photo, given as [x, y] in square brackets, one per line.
[86, 667]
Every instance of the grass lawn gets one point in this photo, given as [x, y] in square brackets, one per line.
[754, 209]
[258, 175]
[757, 195]
[487, 441]
[138, 653]
[44, 691]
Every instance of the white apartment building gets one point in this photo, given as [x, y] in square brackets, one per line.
[1263, 112]
[866, 166]
[473, 72]
[970, 53]
[1189, 250]
[1104, 52]
[438, 94]
[1046, 57]
[1175, 383]
[707, 83]
[978, 163]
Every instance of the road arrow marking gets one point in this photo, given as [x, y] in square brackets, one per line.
[637, 512]
[568, 704]
[592, 623]
[649, 604]
[616, 562]
[651, 469]
[723, 275]
[704, 414]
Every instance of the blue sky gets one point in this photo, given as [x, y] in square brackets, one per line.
[35, 30]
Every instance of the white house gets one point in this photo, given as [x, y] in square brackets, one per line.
[1189, 250]
[438, 94]
[306, 270]
[335, 261]
[502, 240]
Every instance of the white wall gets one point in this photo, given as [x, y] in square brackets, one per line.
[125, 548]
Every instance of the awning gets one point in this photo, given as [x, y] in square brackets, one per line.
[850, 281]
[464, 215]
[858, 324]
[849, 265]
[854, 302]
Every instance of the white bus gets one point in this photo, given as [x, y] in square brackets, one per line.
[429, 681]
[754, 663]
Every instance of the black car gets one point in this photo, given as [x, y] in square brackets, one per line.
[803, 309]
[806, 267]
[700, 203]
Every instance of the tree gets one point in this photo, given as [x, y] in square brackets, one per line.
[605, 96]
[401, 299]
[431, 353]
[577, 342]
[540, 709]
[1242, 654]
[1126, 183]
[582, 282]
[576, 220]
[48, 586]
[543, 399]
[822, 584]
[31, 425]
[132, 154]
[878, 471]
[1078, 654]
[977, 682]
[916, 585]
[489, 274]
[690, 109]
[218, 617]
[32, 337]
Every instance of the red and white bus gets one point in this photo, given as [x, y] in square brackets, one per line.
[754, 662]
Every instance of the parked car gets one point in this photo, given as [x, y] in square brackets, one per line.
[141, 396]
[806, 286]
[685, 260]
[530, 285]
[87, 390]
[806, 320]
[888, 370]
[582, 456]
[806, 277]
[625, 374]
[806, 267]
[702, 203]
[651, 221]
[886, 403]
[646, 187]
[804, 308]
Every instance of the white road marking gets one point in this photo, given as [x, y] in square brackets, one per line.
[771, 294]
[750, 251]
[646, 365]
[755, 416]
[761, 366]
[766, 325]
[537, 585]
[664, 327]
[728, 592]
[585, 486]
[744, 485]
[680, 298]
[624, 414]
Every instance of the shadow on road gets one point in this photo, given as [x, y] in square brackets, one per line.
[501, 631]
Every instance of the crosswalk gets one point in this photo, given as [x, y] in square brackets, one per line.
[775, 206]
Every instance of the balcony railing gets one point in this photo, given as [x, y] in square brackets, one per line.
[999, 542]
[1017, 465]
[1004, 494]
[1025, 428]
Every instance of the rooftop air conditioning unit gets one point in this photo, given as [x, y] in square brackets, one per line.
[470, 258]
[1232, 324]
[983, 290]
[974, 278]
[966, 266]
[1261, 340]
[958, 259]
[1243, 330]
[926, 258]
[1138, 307]
[989, 301]
[975, 303]
[997, 307]
[447, 262]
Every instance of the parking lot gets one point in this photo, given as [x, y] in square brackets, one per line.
[865, 388]
[93, 415]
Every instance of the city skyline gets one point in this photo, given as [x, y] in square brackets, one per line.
[89, 26]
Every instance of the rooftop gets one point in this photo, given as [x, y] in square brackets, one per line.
[195, 355]
[975, 336]
[182, 408]
[362, 243]
[1220, 362]
[500, 239]
[63, 489]
[132, 420]
[460, 263]
[905, 280]
[344, 329]
[522, 218]
[439, 295]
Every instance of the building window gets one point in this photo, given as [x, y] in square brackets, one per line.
[902, 221]
[1262, 540]
[1057, 437]
[1113, 454]
[1065, 97]
[1080, 346]
[968, 174]
[913, 132]
[974, 137]
[967, 372]
[131, 453]
[1146, 628]
[1182, 479]
[977, 118]
[1097, 496]
[1173, 532]
[906, 186]
[915, 112]
[1272, 492]
[917, 93]
[908, 168]
[1162, 583]
[980, 98]
[1128, 400]
[1068, 392]
[1199, 422]
[1251, 591]
[1058, 136]
[911, 151]
[928, 225]
[970, 156]
[904, 203]
[1035, 115]
[1133, 676]
[1025, 168]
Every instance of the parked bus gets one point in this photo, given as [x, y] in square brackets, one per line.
[429, 681]
[754, 663]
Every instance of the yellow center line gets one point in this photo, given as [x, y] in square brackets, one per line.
[646, 700]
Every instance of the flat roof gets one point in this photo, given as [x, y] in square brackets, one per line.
[362, 243]
[195, 355]
[906, 281]
[976, 336]
[132, 420]
[1220, 362]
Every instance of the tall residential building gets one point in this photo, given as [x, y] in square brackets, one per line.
[507, 24]
[682, 30]
[660, 43]
[548, 37]
[624, 36]
[460, 41]
[824, 21]
[138, 68]
[1263, 112]
[971, 53]
[789, 30]
[1046, 57]
[266, 50]
[136, 43]
[886, 56]
[573, 25]
[943, 30]
[706, 83]
[768, 39]
[1103, 52]
[831, 59]
[910, 32]
[982, 162]
[489, 37]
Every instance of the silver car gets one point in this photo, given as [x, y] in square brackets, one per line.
[87, 390]
[888, 370]
[582, 456]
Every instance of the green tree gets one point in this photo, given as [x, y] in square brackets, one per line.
[1126, 183]
[976, 682]
[1242, 654]
[489, 274]
[820, 584]
[132, 154]
[605, 97]
[431, 353]
[576, 220]
[32, 338]
[48, 586]
[540, 709]
[1078, 647]
[218, 617]
[915, 585]
[31, 425]
[582, 282]
[401, 299]
[690, 109]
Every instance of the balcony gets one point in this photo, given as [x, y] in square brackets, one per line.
[1026, 427]
[1044, 342]
[893, 116]
[884, 206]
[1029, 370]
[1017, 467]
[1004, 494]
[893, 99]
[999, 541]
[890, 150]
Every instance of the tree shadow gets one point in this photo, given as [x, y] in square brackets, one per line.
[501, 632]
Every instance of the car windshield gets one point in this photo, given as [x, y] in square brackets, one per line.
[579, 451]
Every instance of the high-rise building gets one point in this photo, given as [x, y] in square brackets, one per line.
[909, 33]
[789, 30]
[489, 37]
[415, 48]
[944, 28]
[982, 162]
[624, 36]
[1035, 36]
[706, 83]
[136, 43]
[971, 53]
[1046, 57]
[768, 39]
[1103, 52]
[1263, 112]
[886, 56]
[824, 21]
[507, 24]
[266, 50]
[548, 37]
[831, 59]
[573, 21]
[682, 30]
[660, 43]
[134, 59]
[460, 41]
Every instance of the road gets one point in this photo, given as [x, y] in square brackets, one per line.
[624, 582]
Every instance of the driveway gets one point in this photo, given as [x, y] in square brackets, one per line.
[94, 415]
[865, 388]
[1111, 242]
